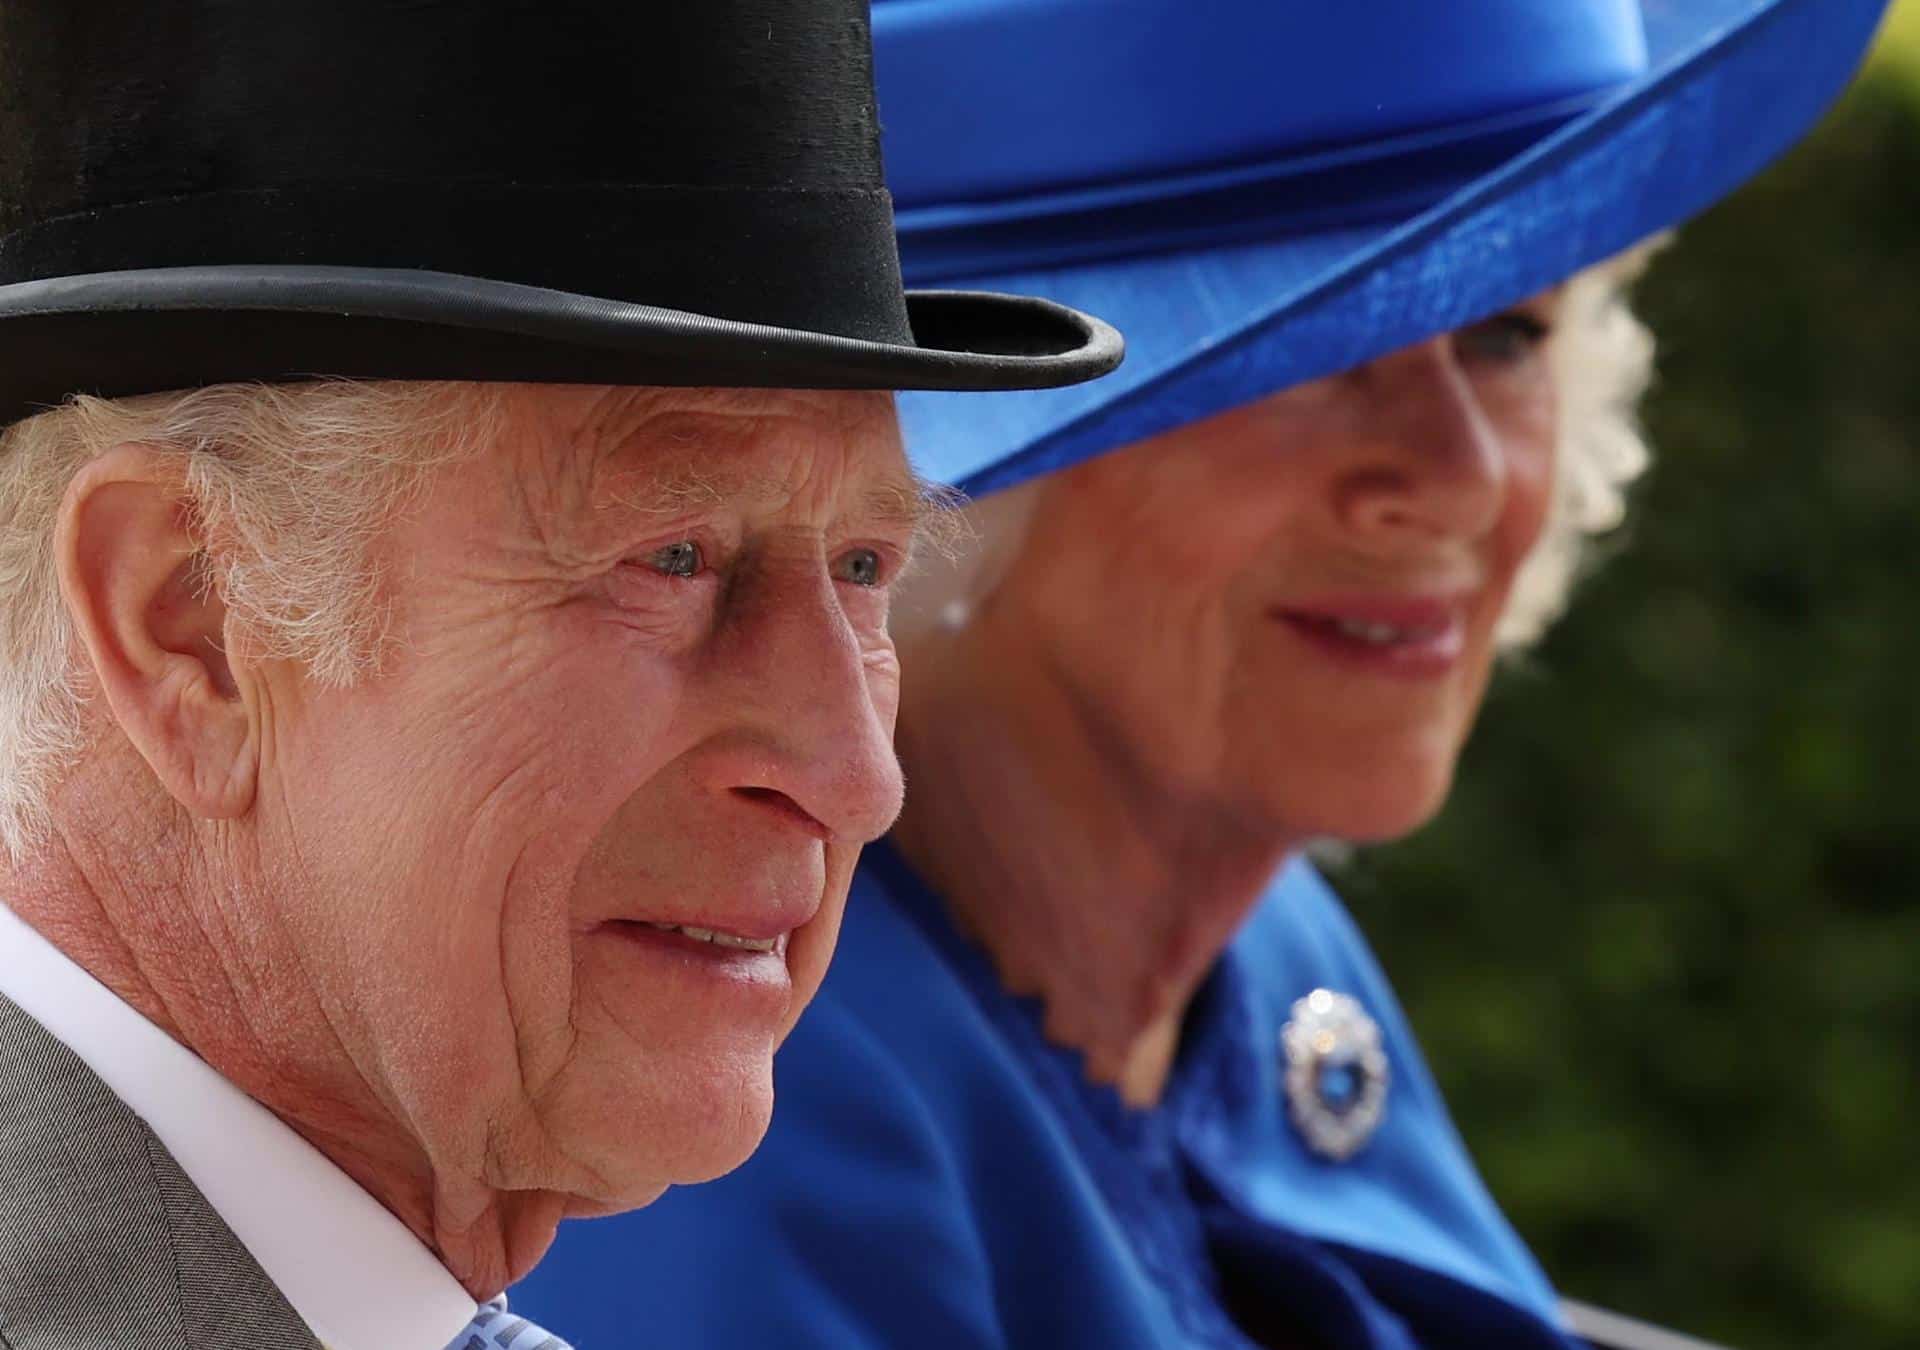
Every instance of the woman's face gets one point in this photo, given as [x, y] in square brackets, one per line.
[1287, 612]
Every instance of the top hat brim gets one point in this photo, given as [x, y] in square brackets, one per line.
[1729, 85]
[117, 334]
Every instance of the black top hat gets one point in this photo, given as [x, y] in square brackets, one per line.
[590, 191]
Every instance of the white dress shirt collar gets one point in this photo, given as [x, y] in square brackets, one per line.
[353, 1272]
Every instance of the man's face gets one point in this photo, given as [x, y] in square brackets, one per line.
[641, 681]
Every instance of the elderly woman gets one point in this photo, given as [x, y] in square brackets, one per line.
[427, 798]
[1104, 1064]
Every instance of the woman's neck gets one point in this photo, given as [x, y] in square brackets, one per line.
[1093, 887]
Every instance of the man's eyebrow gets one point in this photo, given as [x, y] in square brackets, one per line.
[687, 487]
[927, 511]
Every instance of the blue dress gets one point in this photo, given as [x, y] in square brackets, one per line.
[940, 1176]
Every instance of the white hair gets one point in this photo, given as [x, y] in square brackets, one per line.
[1602, 361]
[287, 486]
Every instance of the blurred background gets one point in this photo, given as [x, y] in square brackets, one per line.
[1664, 945]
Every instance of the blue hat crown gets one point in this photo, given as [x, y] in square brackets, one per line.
[1026, 133]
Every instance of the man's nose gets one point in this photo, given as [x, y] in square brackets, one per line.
[812, 730]
[1429, 463]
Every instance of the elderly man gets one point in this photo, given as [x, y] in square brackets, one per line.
[428, 792]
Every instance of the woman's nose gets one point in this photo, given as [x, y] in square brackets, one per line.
[812, 719]
[1428, 461]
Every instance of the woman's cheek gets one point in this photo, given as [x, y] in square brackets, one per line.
[1522, 406]
[1530, 494]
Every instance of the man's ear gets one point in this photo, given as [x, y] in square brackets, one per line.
[131, 573]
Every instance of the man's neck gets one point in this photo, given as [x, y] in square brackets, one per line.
[1093, 887]
[183, 962]
[343, 1264]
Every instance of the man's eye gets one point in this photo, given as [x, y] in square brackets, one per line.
[861, 567]
[682, 559]
[1503, 339]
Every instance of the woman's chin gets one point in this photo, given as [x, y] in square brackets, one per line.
[1368, 807]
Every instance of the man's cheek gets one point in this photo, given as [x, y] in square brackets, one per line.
[882, 664]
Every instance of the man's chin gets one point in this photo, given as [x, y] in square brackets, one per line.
[581, 1208]
[695, 1127]
[633, 1179]
[634, 1115]
[719, 1149]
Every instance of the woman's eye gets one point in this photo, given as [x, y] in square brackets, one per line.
[682, 559]
[1503, 339]
[860, 567]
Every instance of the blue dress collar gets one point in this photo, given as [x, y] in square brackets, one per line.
[1394, 1250]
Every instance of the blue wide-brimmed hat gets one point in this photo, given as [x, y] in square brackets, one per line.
[1262, 192]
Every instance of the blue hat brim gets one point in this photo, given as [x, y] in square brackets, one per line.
[1730, 85]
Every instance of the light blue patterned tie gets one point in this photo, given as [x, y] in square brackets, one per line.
[494, 1328]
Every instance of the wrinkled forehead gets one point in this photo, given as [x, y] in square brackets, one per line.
[758, 446]
[762, 448]
[814, 455]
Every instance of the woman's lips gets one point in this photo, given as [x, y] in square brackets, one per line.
[1416, 637]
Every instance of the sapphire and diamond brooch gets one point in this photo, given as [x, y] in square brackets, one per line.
[1336, 1073]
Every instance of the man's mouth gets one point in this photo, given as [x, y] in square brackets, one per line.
[719, 939]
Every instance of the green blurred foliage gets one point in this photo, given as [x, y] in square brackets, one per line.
[1663, 946]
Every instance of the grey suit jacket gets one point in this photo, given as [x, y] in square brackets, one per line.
[104, 1243]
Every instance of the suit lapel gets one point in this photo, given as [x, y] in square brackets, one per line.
[103, 1239]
